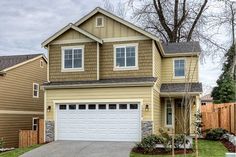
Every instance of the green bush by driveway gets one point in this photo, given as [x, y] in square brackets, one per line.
[17, 152]
[206, 149]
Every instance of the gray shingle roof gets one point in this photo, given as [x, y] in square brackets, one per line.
[182, 47]
[9, 61]
[181, 87]
[104, 81]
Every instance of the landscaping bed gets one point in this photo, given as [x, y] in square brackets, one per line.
[160, 151]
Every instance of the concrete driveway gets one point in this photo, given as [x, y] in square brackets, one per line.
[82, 149]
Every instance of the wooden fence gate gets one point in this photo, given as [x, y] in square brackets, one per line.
[30, 137]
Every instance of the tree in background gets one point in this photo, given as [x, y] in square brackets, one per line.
[225, 89]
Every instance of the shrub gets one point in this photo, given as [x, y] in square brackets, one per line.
[1, 142]
[148, 143]
[179, 141]
[215, 134]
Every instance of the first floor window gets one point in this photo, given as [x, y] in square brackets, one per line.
[169, 113]
[35, 90]
[72, 58]
[126, 56]
[35, 124]
[179, 67]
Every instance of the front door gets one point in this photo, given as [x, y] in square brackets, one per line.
[181, 118]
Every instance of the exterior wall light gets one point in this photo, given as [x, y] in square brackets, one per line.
[146, 107]
[49, 108]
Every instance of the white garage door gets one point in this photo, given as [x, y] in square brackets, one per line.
[98, 122]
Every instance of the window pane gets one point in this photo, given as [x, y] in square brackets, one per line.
[35, 93]
[130, 56]
[122, 106]
[92, 106]
[168, 113]
[77, 58]
[179, 67]
[62, 107]
[112, 106]
[68, 58]
[82, 107]
[35, 87]
[72, 107]
[35, 127]
[133, 106]
[102, 106]
[99, 21]
[120, 57]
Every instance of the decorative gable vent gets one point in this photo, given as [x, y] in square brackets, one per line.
[99, 21]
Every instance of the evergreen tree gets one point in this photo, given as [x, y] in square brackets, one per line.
[225, 90]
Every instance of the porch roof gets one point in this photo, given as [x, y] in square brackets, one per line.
[181, 87]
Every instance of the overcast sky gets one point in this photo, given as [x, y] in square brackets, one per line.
[26, 23]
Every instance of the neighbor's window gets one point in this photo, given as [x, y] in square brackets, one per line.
[99, 21]
[73, 58]
[169, 113]
[35, 123]
[35, 90]
[179, 67]
[126, 56]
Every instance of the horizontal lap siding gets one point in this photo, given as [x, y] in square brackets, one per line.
[167, 70]
[16, 87]
[90, 63]
[100, 93]
[10, 124]
[144, 61]
[157, 111]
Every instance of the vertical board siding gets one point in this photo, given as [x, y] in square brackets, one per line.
[90, 63]
[10, 124]
[16, 87]
[27, 138]
[100, 93]
[144, 61]
[167, 72]
[111, 29]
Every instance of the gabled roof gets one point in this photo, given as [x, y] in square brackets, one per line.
[10, 62]
[116, 18]
[67, 27]
[181, 48]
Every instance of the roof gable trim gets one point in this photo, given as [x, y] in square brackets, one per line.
[67, 27]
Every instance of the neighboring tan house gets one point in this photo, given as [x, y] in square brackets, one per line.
[206, 99]
[109, 80]
[21, 99]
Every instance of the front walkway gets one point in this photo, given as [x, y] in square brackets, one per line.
[82, 149]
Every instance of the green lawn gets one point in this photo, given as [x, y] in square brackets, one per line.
[17, 152]
[206, 149]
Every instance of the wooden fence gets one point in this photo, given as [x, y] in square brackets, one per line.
[29, 137]
[219, 116]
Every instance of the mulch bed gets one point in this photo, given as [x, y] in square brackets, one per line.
[161, 151]
[229, 145]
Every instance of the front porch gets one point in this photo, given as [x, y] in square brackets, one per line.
[178, 114]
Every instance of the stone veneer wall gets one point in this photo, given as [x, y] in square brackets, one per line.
[49, 131]
[147, 127]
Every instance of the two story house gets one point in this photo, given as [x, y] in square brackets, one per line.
[21, 99]
[110, 80]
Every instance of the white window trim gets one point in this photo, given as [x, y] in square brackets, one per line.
[41, 63]
[63, 69]
[173, 114]
[136, 57]
[102, 21]
[37, 90]
[179, 77]
[34, 124]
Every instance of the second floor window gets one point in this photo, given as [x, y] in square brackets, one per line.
[179, 67]
[72, 59]
[126, 57]
[35, 90]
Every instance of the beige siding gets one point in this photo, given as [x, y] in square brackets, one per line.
[16, 87]
[98, 94]
[111, 29]
[157, 111]
[144, 61]
[167, 73]
[90, 63]
[10, 124]
[157, 66]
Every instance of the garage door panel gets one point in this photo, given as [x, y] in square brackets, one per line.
[99, 124]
